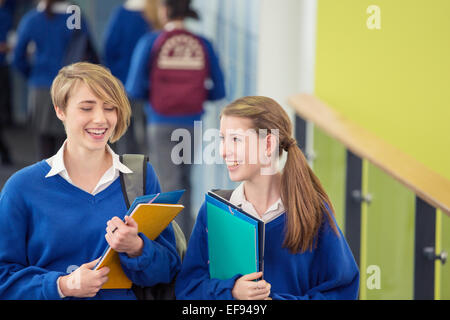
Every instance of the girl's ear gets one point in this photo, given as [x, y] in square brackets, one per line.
[272, 142]
[271, 163]
[60, 113]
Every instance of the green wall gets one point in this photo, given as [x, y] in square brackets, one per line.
[393, 81]
[388, 237]
[443, 244]
[330, 167]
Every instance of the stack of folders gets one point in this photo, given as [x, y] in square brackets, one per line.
[235, 239]
[153, 213]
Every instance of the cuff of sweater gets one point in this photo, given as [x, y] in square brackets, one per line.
[58, 286]
[50, 285]
[224, 288]
[141, 262]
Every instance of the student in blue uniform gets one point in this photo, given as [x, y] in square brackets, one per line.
[44, 32]
[305, 254]
[176, 71]
[125, 27]
[128, 23]
[53, 214]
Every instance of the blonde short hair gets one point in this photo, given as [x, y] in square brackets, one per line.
[102, 83]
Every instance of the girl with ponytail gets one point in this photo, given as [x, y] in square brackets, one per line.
[306, 255]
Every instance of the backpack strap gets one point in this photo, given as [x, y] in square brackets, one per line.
[133, 184]
[226, 194]
[180, 240]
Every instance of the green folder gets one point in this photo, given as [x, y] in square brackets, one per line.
[233, 240]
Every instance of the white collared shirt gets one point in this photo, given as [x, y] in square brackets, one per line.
[57, 167]
[58, 7]
[135, 5]
[238, 199]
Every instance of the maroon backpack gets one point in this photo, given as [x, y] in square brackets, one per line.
[178, 71]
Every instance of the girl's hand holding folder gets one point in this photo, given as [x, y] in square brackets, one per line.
[245, 288]
[84, 282]
[123, 236]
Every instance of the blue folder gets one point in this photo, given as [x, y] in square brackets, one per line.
[235, 239]
[171, 197]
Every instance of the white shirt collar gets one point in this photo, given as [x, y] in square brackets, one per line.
[134, 5]
[57, 162]
[58, 167]
[238, 199]
[59, 7]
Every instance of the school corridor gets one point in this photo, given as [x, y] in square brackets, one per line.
[366, 84]
[22, 152]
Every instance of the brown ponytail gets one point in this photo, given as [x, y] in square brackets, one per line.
[302, 194]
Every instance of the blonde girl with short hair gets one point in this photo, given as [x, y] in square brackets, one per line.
[58, 215]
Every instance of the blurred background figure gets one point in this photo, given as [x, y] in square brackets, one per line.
[45, 43]
[6, 22]
[127, 24]
[176, 71]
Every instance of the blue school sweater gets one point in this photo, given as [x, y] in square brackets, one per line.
[48, 228]
[51, 37]
[138, 80]
[327, 272]
[124, 30]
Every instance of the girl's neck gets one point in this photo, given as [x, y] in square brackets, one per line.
[263, 191]
[174, 24]
[80, 162]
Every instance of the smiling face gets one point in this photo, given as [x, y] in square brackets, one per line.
[245, 152]
[89, 120]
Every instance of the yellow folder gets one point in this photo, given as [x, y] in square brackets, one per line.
[152, 219]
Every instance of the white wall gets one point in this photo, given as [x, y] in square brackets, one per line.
[287, 33]
[232, 26]
[286, 48]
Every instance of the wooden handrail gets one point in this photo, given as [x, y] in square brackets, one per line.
[425, 183]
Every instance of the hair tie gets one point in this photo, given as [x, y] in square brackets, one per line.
[291, 142]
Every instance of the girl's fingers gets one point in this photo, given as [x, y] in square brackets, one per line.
[261, 284]
[260, 288]
[108, 238]
[104, 280]
[259, 292]
[260, 296]
[252, 276]
[131, 222]
[91, 264]
[102, 272]
[110, 227]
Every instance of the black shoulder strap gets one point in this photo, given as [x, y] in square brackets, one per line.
[226, 194]
[133, 184]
